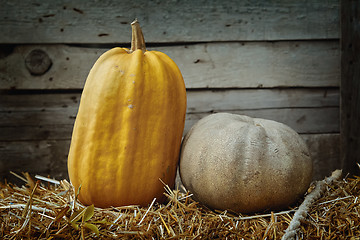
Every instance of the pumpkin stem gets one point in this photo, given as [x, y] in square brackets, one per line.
[137, 39]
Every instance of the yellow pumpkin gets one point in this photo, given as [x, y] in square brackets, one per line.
[128, 129]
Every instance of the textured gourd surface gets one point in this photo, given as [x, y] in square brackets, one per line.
[243, 164]
[128, 130]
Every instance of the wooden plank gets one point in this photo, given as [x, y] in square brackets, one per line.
[69, 69]
[44, 130]
[30, 116]
[210, 65]
[259, 64]
[36, 157]
[197, 100]
[166, 21]
[246, 99]
[350, 86]
[39, 101]
[302, 120]
[50, 156]
[58, 125]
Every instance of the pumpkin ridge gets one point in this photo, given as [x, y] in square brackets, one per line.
[132, 115]
[114, 129]
[139, 149]
[99, 100]
[159, 123]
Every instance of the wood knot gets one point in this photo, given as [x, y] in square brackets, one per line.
[38, 62]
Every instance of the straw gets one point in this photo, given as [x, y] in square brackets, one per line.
[47, 209]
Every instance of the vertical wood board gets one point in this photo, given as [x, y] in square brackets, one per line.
[350, 86]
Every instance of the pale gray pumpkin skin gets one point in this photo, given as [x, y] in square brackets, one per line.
[234, 162]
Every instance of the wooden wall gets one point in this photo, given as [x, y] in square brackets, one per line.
[271, 59]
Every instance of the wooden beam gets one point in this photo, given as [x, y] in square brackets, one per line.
[350, 85]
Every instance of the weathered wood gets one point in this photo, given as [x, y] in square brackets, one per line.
[245, 99]
[259, 64]
[47, 157]
[166, 21]
[302, 120]
[39, 100]
[42, 116]
[325, 152]
[350, 86]
[212, 65]
[44, 130]
[197, 100]
[58, 125]
[69, 70]
[50, 156]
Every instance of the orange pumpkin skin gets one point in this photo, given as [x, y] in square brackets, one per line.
[128, 129]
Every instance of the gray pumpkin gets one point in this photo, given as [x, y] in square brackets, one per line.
[243, 164]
